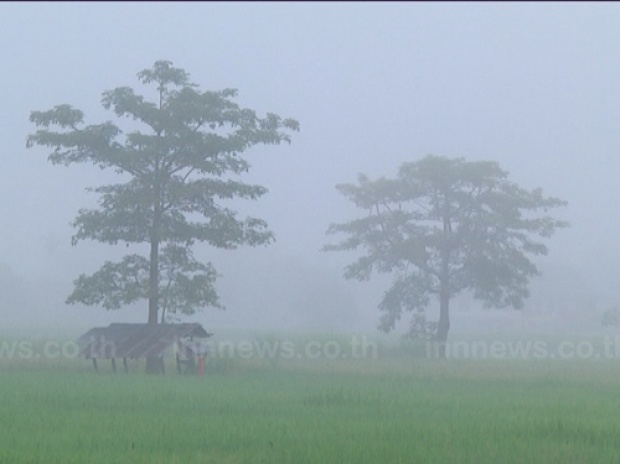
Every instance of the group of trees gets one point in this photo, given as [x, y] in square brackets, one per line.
[440, 227]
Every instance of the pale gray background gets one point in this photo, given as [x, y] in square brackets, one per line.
[533, 86]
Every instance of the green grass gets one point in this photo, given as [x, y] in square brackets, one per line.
[394, 410]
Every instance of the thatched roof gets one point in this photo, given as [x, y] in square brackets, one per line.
[135, 340]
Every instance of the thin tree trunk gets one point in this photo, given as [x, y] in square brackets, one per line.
[443, 326]
[153, 281]
[153, 364]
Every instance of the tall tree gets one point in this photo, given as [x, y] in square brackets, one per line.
[443, 226]
[186, 159]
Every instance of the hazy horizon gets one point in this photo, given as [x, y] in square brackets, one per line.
[373, 85]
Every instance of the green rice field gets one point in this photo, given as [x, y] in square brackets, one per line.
[392, 409]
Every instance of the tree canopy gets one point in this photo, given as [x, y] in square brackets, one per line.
[176, 171]
[443, 226]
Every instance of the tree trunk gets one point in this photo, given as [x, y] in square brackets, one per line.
[443, 327]
[153, 282]
[153, 363]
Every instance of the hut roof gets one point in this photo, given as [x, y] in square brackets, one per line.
[135, 340]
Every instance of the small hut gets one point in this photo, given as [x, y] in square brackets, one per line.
[134, 341]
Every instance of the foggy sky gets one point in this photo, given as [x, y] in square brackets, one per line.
[532, 86]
